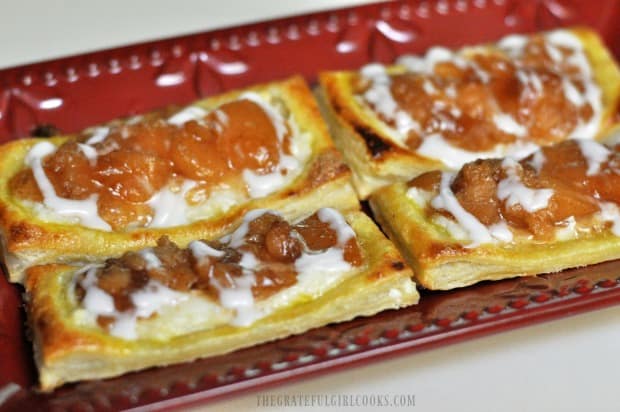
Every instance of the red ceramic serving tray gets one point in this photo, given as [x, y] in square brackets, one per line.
[76, 92]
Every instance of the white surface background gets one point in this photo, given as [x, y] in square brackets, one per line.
[567, 365]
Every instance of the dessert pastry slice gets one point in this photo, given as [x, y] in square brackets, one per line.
[444, 109]
[499, 218]
[269, 278]
[188, 174]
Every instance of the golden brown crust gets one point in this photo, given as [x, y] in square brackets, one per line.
[28, 240]
[440, 262]
[66, 352]
[376, 160]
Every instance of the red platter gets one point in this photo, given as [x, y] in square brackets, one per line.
[79, 91]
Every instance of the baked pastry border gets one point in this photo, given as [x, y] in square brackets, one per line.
[65, 352]
[441, 263]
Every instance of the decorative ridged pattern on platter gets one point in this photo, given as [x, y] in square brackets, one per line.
[76, 92]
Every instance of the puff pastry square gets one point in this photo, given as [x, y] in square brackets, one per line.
[294, 168]
[499, 218]
[446, 108]
[86, 329]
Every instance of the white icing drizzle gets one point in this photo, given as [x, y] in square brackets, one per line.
[151, 299]
[450, 91]
[480, 73]
[221, 117]
[595, 154]
[240, 300]
[538, 160]
[562, 47]
[220, 199]
[83, 211]
[336, 223]
[508, 124]
[375, 71]
[501, 231]
[405, 123]
[572, 94]
[169, 205]
[187, 114]
[512, 190]
[419, 196]
[453, 227]
[454, 157]
[512, 43]
[565, 39]
[433, 56]
[221, 120]
[380, 96]
[531, 82]
[151, 259]
[329, 263]
[590, 129]
[428, 87]
[465, 226]
[438, 54]
[98, 135]
[446, 200]
[170, 208]
[201, 250]
[553, 52]
[610, 213]
[248, 260]
[330, 260]
[95, 301]
[316, 271]
[260, 184]
[134, 119]
[567, 229]
[592, 95]
[90, 152]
